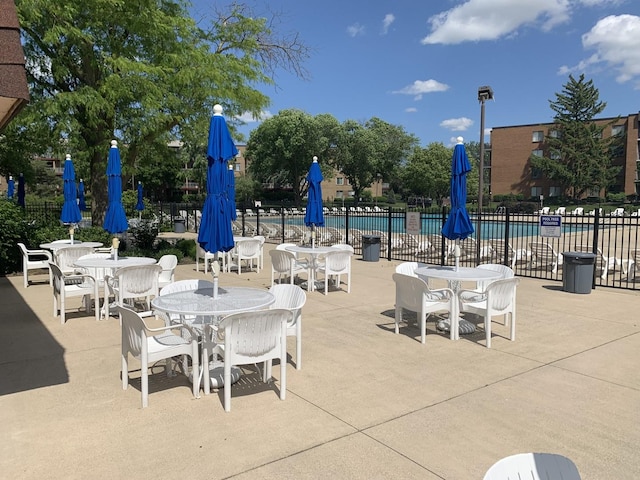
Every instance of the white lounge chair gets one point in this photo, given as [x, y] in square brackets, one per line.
[544, 255]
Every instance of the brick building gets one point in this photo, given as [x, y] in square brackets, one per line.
[511, 147]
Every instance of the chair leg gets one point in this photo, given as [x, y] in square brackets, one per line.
[283, 365]
[227, 385]
[398, 318]
[144, 383]
[299, 343]
[487, 330]
[423, 326]
[125, 371]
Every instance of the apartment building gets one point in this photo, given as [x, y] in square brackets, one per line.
[510, 170]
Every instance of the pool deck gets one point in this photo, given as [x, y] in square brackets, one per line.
[367, 404]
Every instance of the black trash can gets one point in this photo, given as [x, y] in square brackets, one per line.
[370, 248]
[577, 276]
[178, 225]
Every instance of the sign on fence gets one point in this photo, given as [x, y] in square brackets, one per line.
[550, 225]
[413, 223]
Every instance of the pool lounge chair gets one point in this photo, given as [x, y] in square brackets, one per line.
[544, 255]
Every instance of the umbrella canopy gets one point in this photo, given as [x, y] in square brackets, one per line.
[140, 204]
[21, 191]
[458, 224]
[70, 210]
[115, 220]
[11, 187]
[314, 215]
[231, 192]
[82, 203]
[215, 233]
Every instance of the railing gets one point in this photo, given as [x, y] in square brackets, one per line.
[613, 239]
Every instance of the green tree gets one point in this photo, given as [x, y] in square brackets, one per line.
[367, 150]
[428, 171]
[281, 149]
[142, 72]
[579, 158]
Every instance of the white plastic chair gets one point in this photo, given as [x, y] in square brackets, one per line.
[150, 345]
[413, 294]
[83, 285]
[497, 299]
[409, 268]
[247, 251]
[533, 466]
[34, 260]
[336, 264]
[292, 298]
[284, 263]
[167, 275]
[262, 239]
[183, 286]
[248, 338]
[131, 283]
[503, 270]
[205, 256]
[344, 246]
[66, 257]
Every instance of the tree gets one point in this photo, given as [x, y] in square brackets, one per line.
[579, 158]
[143, 73]
[281, 149]
[428, 171]
[367, 150]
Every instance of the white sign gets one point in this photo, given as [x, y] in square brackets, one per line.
[413, 223]
[550, 225]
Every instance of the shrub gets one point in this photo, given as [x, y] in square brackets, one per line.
[144, 235]
[14, 229]
[187, 247]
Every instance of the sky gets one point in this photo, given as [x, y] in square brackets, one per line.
[419, 63]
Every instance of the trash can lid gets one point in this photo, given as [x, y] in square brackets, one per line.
[578, 255]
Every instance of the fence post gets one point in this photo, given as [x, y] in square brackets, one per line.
[505, 254]
[389, 233]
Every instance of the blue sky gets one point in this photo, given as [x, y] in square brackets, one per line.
[419, 63]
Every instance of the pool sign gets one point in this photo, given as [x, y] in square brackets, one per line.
[550, 225]
[413, 223]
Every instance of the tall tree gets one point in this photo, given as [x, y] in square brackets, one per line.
[143, 72]
[428, 170]
[579, 157]
[374, 148]
[281, 149]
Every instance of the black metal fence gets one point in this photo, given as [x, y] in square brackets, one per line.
[509, 238]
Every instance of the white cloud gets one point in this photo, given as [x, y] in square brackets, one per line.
[457, 124]
[411, 110]
[355, 30]
[247, 117]
[420, 87]
[389, 18]
[477, 20]
[615, 40]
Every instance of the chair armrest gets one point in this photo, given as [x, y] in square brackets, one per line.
[471, 296]
[155, 330]
[40, 253]
[440, 294]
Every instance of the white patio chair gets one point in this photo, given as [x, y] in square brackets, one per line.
[344, 246]
[149, 345]
[503, 270]
[167, 275]
[533, 466]
[262, 239]
[66, 257]
[205, 256]
[34, 260]
[413, 294]
[544, 255]
[284, 263]
[129, 284]
[248, 338]
[409, 268]
[98, 273]
[247, 251]
[497, 299]
[83, 285]
[336, 264]
[292, 298]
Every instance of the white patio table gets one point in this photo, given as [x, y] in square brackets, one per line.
[200, 303]
[455, 277]
[67, 243]
[314, 253]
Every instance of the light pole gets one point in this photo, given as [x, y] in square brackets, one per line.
[484, 93]
[378, 180]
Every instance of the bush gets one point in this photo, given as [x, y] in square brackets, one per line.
[616, 197]
[187, 247]
[144, 235]
[14, 229]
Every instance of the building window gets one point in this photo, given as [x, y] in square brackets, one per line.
[617, 130]
[536, 192]
[339, 180]
[536, 173]
[237, 166]
[339, 194]
[537, 153]
[554, 133]
[538, 136]
[555, 155]
[555, 191]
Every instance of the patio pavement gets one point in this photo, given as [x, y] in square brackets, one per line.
[367, 404]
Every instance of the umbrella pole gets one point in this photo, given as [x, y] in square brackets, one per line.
[456, 254]
[313, 236]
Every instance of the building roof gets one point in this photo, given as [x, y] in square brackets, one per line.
[14, 92]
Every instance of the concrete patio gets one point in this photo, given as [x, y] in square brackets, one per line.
[367, 404]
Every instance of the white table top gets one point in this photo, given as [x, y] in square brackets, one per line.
[67, 243]
[201, 302]
[463, 274]
[114, 264]
[311, 250]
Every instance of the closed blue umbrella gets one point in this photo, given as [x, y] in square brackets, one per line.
[458, 224]
[215, 233]
[11, 187]
[314, 216]
[82, 203]
[70, 210]
[21, 192]
[231, 192]
[115, 220]
[140, 204]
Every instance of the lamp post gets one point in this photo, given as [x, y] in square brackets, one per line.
[484, 93]
[378, 180]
